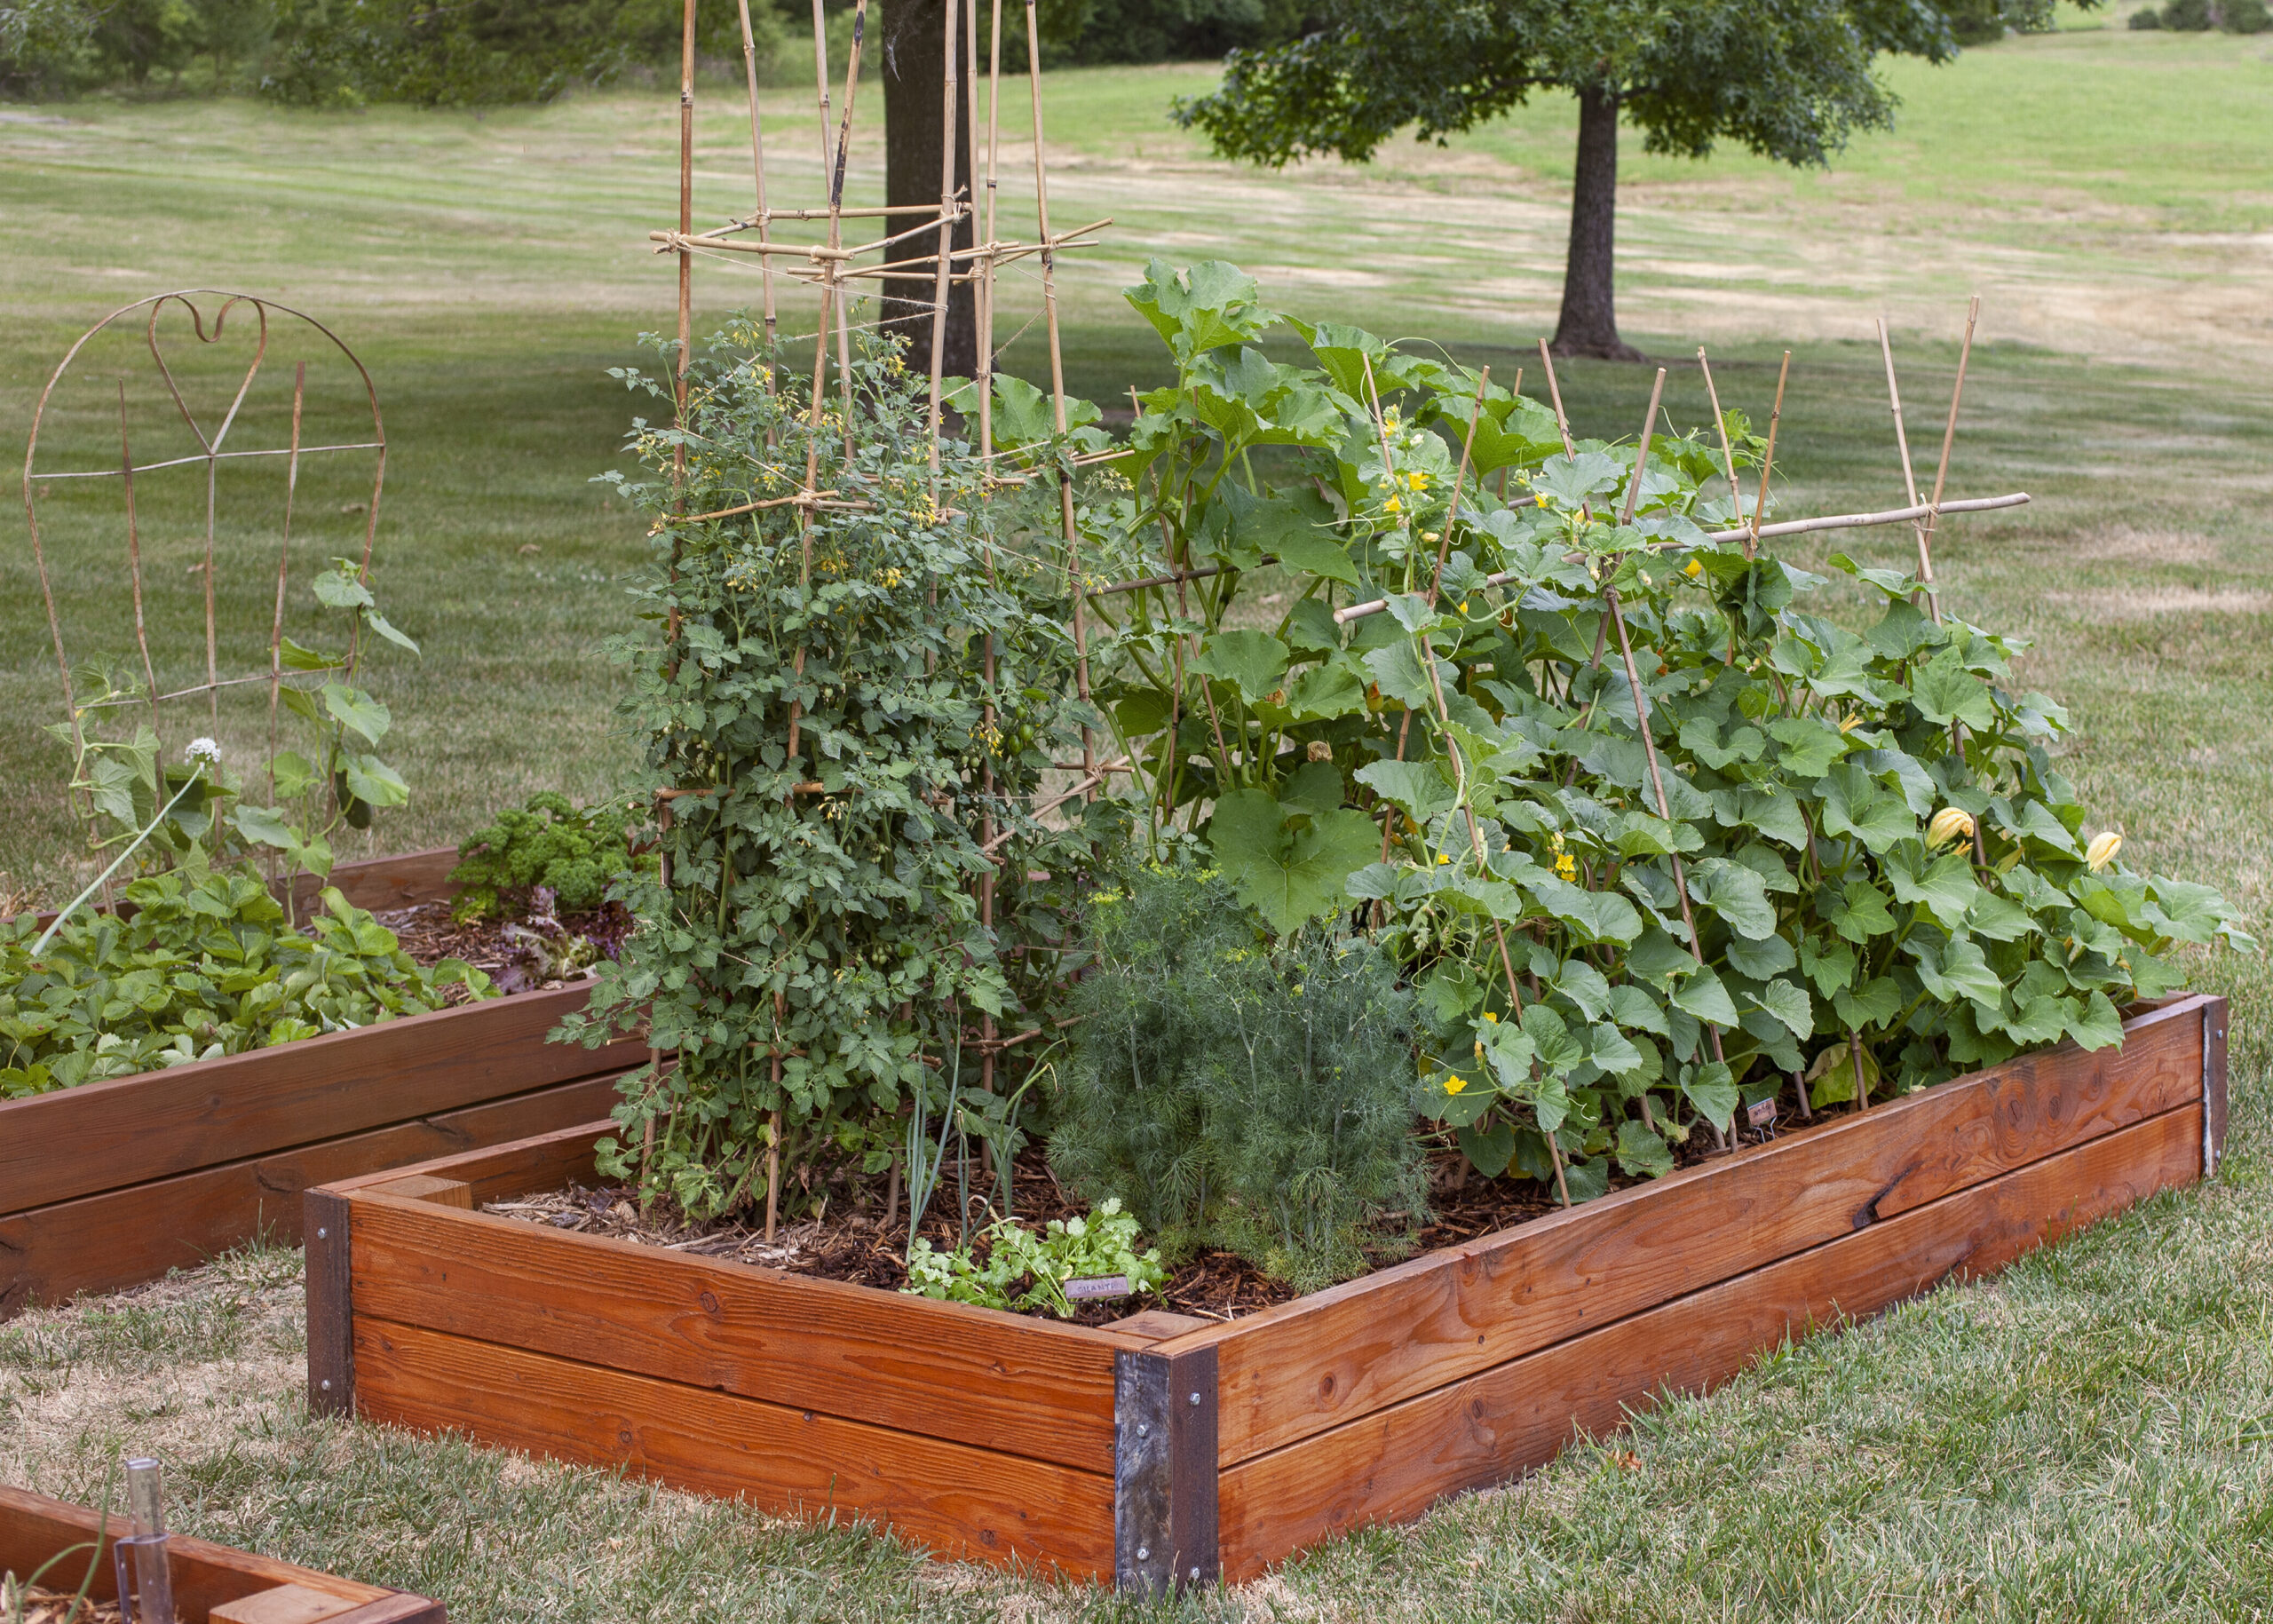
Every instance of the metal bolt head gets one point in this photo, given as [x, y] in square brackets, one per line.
[1143, 1431]
[1195, 1397]
[323, 1235]
[327, 1385]
[1195, 1575]
[1144, 1553]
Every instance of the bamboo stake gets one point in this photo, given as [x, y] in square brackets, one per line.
[1909, 477]
[686, 223]
[1797, 527]
[134, 565]
[948, 213]
[1728, 452]
[1057, 389]
[1949, 438]
[1642, 453]
[1767, 462]
[283, 567]
[757, 170]
[986, 302]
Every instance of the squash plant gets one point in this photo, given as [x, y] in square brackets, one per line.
[1648, 837]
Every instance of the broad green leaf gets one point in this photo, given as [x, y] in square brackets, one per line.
[340, 589]
[1701, 994]
[1854, 803]
[371, 780]
[1398, 673]
[1584, 985]
[1809, 747]
[1957, 971]
[1557, 1050]
[1252, 662]
[1736, 893]
[265, 826]
[1770, 956]
[2099, 1026]
[1788, 1002]
[1642, 1153]
[357, 711]
[1631, 1006]
[1879, 1002]
[1200, 307]
[1488, 1152]
[1944, 887]
[1945, 692]
[1714, 1093]
[1290, 870]
[294, 658]
[1418, 787]
[378, 623]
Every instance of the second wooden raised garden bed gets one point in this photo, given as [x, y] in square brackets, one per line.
[212, 1584]
[112, 1183]
[1172, 1451]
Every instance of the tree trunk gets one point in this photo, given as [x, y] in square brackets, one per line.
[1589, 325]
[914, 75]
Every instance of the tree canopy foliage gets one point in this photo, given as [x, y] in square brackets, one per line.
[1788, 79]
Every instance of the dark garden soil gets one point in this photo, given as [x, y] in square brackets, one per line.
[521, 955]
[846, 1239]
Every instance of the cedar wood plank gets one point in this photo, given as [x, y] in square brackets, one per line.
[124, 1237]
[33, 1528]
[945, 1370]
[71, 1143]
[1310, 1365]
[499, 1172]
[1392, 1465]
[384, 882]
[961, 1500]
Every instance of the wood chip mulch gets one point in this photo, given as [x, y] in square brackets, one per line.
[503, 949]
[44, 1606]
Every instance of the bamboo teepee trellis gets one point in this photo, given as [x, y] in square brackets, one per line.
[833, 268]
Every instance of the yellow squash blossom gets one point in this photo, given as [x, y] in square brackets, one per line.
[1951, 823]
[2101, 852]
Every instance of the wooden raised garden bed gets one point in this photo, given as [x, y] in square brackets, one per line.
[112, 1183]
[1170, 1449]
[210, 1582]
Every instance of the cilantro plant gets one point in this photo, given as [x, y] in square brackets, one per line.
[1023, 1271]
[1647, 836]
[812, 692]
[576, 852]
[206, 966]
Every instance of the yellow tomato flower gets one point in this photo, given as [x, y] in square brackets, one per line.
[2101, 852]
[1950, 824]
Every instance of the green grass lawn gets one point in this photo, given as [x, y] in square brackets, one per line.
[2091, 1436]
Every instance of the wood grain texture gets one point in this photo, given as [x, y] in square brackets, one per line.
[501, 1172]
[1307, 1366]
[1392, 1465]
[124, 1237]
[385, 882]
[33, 1528]
[425, 1187]
[402, 1607]
[55, 1147]
[995, 1381]
[961, 1501]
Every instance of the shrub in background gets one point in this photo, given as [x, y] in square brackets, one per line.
[1232, 1093]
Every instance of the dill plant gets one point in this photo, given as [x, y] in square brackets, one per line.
[1238, 1092]
[820, 905]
